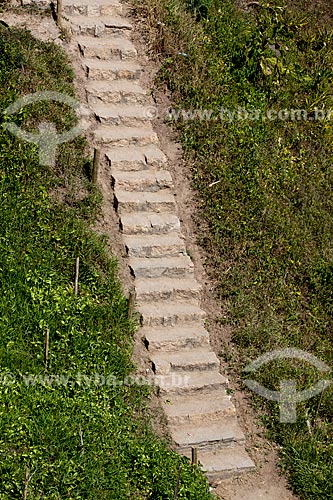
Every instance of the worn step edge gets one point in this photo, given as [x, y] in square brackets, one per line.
[170, 314]
[166, 289]
[125, 136]
[99, 69]
[172, 267]
[146, 180]
[135, 158]
[113, 48]
[224, 463]
[194, 410]
[199, 359]
[178, 383]
[96, 8]
[182, 337]
[127, 115]
[115, 92]
[144, 201]
[98, 25]
[148, 223]
[161, 245]
[216, 434]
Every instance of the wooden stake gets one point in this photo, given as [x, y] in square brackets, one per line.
[59, 13]
[131, 303]
[76, 283]
[47, 340]
[97, 156]
[81, 437]
[177, 483]
[26, 484]
[317, 411]
[194, 456]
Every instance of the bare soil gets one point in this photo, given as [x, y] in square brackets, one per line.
[266, 483]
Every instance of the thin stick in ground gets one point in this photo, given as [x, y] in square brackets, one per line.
[131, 303]
[26, 484]
[76, 282]
[59, 13]
[47, 342]
[97, 157]
[177, 483]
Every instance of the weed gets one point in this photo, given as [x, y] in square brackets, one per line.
[266, 187]
[66, 437]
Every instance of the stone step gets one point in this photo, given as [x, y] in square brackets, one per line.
[98, 69]
[146, 180]
[164, 288]
[135, 158]
[194, 383]
[115, 48]
[161, 245]
[99, 26]
[127, 115]
[197, 409]
[211, 435]
[171, 267]
[222, 463]
[200, 359]
[149, 223]
[115, 92]
[125, 136]
[180, 337]
[93, 7]
[144, 201]
[170, 314]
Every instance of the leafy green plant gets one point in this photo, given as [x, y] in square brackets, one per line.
[264, 187]
[72, 427]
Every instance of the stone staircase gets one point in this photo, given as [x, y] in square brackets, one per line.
[193, 393]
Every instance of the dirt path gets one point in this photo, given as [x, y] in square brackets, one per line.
[266, 482]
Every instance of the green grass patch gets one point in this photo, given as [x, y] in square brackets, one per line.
[75, 437]
[265, 188]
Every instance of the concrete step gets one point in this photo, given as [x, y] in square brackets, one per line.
[222, 463]
[144, 201]
[200, 359]
[161, 245]
[198, 409]
[127, 115]
[125, 136]
[99, 26]
[149, 223]
[146, 180]
[170, 314]
[211, 435]
[194, 383]
[115, 92]
[171, 267]
[99, 69]
[92, 8]
[164, 288]
[180, 337]
[115, 48]
[135, 158]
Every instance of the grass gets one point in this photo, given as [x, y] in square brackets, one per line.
[265, 189]
[80, 439]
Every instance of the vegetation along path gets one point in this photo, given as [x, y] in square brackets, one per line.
[193, 393]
